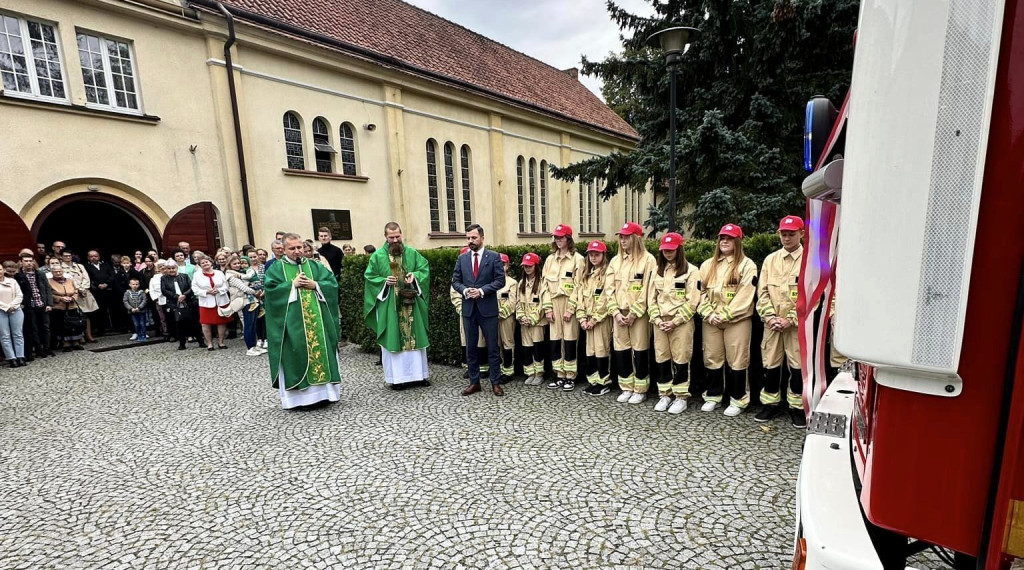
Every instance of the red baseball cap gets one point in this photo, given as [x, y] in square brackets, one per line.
[631, 228]
[563, 230]
[504, 258]
[464, 249]
[531, 259]
[671, 240]
[731, 230]
[791, 224]
[597, 245]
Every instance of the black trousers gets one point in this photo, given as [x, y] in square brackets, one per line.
[37, 330]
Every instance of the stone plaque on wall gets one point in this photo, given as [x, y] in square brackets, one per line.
[339, 222]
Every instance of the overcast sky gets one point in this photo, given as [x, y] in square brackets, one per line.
[556, 32]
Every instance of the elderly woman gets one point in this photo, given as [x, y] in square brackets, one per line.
[65, 299]
[211, 288]
[86, 302]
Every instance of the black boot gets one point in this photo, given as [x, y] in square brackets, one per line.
[772, 381]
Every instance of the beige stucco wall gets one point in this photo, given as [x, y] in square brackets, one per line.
[183, 80]
[47, 154]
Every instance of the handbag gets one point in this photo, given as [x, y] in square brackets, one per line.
[74, 322]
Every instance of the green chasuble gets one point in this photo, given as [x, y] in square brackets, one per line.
[302, 333]
[398, 326]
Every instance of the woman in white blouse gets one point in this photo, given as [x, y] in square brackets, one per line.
[211, 288]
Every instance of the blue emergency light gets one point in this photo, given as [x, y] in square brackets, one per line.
[819, 119]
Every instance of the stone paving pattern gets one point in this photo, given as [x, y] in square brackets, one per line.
[154, 458]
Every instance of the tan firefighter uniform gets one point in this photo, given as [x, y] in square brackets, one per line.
[562, 274]
[734, 304]
[507, 297]
[593, 304]
[674, 297]
[530, 305]
[628, 295]
[777, 291]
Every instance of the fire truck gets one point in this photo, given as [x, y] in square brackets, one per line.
[919, 443]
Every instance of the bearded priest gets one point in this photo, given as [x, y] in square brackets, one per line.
[395, 304]
[301, 298]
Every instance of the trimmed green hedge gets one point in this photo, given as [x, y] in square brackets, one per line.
[444, 324]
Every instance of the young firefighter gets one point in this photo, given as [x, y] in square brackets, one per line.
[632, 270]
[530, 313]
[776, 304]
[481, 345]
[672, 302]
[507, 296]
[728, 291]
[561, 276]
[592, 312]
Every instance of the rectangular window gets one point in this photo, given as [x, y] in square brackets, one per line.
[30, 63]
[583, 212]
[108, 71]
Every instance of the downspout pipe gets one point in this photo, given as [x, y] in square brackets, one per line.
[237, 122]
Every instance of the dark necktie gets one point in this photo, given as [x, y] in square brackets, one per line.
[476, 264]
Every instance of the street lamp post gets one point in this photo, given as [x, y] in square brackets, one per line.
[674, 42]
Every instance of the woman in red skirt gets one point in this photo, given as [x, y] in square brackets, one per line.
[211, 288]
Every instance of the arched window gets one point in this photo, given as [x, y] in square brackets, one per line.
[293, 141]
[543, 196]
[519, 186]
[347, 142]
[533, 196]
[467, 211]
[449, 185]
[323, 151]
[435, 212]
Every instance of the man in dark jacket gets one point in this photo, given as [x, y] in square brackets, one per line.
[331, 252]
[36, 303]
[101, 277]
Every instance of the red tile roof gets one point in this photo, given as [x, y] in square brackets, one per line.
[393, 30]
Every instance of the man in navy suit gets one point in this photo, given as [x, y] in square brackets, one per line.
[479, 274]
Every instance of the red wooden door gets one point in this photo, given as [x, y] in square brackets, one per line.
[196, 224]
[14, 234]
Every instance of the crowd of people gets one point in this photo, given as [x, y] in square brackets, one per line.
[624, 306]
[53, 300]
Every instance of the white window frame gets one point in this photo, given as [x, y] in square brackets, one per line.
[108, 75]
[30, 62]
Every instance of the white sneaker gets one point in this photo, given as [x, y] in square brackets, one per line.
[733, 411]
[254, 351]
[262, 343]
[133, 337]
[624, 396]
[663, 403]
[637, 397]
[709, 406]
[678, 405]
[261, 349]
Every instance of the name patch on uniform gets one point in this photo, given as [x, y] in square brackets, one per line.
[636, 287]
[680, 293]
[699, 285]
[680, 284]
[638, 276]
[568, 287]
[794, 294]
[536, 299]
[568, 273]
[730, 294]
[598, 291]
[504, 295]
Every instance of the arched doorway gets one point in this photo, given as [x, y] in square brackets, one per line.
[102, 222]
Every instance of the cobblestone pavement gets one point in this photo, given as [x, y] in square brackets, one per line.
[154, 458]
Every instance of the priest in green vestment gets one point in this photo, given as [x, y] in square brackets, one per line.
[395, 304]
[301, 297]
